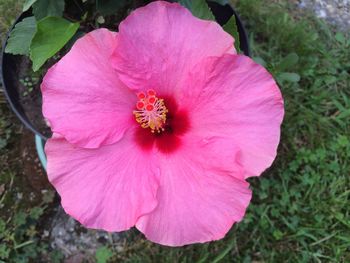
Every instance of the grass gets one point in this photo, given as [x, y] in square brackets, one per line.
[9, 10]
[300, 208]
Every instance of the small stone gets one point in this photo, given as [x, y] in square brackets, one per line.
[32, 196]
[322, 14]
[19, 196]
[100, 20]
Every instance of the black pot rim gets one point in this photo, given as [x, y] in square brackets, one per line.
[244, 45]
[9, 99]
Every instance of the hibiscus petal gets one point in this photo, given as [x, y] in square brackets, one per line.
[232, 96]
[83, 99]
[159, 43]
[106, 188]
[198, 198]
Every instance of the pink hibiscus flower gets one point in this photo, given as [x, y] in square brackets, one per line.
[158, 126]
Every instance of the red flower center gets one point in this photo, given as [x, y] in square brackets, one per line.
[162, 123]
[151, 111]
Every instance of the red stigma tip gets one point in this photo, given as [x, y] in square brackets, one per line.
[141, 95]
[140, 105]
[151, 92]
[150, 111]
[149, 107]
[152, 100]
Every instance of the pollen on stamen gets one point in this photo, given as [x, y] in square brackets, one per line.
[151, 111]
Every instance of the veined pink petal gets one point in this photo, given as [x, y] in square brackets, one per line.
[83, 99]
[198, 197]
[220, 123]
[158, 44]
[106, 188]
[234, 97]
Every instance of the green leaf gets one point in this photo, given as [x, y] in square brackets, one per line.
[103, 254]
[27, 4]
[260, 61]
[56, 256]
[223, 253]
[198, 8]
[108, 7]
[48, 196]
[36, 212]
[21, 37]
[186, 3]
[277, 234]
[52, 34]
[20, 219]
[287, 76]
[44, 8]
[340, 38]
[4, 252]
[231, 28]
[288, 62]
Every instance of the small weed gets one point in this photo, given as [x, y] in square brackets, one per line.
[30, 82]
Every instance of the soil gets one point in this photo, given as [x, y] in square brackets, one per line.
[31, 168]
[30, 183]
[31, 102]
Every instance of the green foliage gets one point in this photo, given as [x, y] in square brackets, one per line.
[21, 37]
[288, 62]
[19, 240]
[231, 28]
[56, 256]
[52, 34]
[300, 210]
[341, 38]
[27, 4]
[288, 76]
[44, 8]
[199, 8]
[103, 254]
